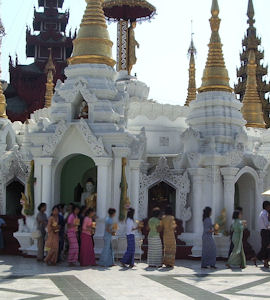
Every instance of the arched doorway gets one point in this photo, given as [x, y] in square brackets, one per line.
[75, 173]
[13, 196]
[161, 195]
[245, 195]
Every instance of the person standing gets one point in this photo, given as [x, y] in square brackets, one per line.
[154, 256]
[87, 254]
[52, 243]
[72, 224]
[209, 251]
[61, 223]
[107, 256]
[168, 226]
[237, 257]
[264, 254]
[2, 224]
[128, 258]
[42, 222]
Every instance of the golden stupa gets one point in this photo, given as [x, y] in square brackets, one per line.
[93, 44]
[215, 76]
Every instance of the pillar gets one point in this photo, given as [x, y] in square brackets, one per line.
[229, 191]
[103, 185]
[134, 185]
[122, 46]
[197, 176]
[38, 184]
[119, 153]
[47, 183]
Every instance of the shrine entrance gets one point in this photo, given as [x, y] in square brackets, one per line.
[75, 173]
[13, 197]
[161, 195]
[245, 195]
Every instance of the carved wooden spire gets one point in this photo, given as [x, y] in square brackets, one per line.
[252, 105]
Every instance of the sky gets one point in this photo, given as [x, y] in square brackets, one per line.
[162, 58]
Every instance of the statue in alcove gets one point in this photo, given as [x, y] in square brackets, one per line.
[89, 197]
[83, 113]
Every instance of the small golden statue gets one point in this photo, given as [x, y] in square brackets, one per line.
[132, 44]
[83, 110]
[221, 222]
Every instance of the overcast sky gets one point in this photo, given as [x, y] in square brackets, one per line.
[162, 57]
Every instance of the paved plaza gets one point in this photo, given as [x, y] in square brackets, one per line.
[24, 278]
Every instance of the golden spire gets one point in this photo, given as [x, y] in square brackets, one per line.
[3, 103]
[50, 71]
[192, 91]
[252, 105]
[215, 76]
[93, 44]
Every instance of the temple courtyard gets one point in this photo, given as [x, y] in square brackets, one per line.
[24, 278]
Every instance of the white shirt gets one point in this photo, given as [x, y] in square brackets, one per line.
[263, 220]
[129, 226]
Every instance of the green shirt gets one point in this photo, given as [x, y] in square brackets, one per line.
[153, 223]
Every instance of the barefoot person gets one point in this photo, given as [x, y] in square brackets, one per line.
[209, 254]
[154, 255]
[87, 254]
[128, 258]
[52, 243]
[107, 257]
[42, 222]
[264, 254]
[168, 226]
[73, 223]
[237, 257]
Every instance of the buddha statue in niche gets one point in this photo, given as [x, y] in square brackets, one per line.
[89, 197]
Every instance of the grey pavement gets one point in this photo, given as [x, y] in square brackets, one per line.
[24, 278]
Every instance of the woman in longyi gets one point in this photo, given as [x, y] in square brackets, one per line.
[168, 226]
[52, 243]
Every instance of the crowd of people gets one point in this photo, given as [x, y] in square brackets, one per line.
[71, 233]
[236, 256]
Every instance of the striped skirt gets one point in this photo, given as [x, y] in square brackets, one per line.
[154, 257]
[73, 251]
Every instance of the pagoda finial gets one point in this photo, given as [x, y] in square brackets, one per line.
[252, 106]
[93, 44]
[50, 71]
[250, 13]
[192, 91]
[215, 76]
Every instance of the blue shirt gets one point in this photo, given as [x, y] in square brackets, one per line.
[2, 222]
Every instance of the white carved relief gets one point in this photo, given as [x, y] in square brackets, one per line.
[11, 166]
[234, 158]
[96, 145]
[180, 182]
[138, 145]
[54, 140]
[152, 110]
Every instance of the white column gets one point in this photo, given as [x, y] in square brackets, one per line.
[259, 199]
[38, 183]
[229, 191]
[119, 153]
[198, 203]
[47, 183]
[135, 184]
[103, 193]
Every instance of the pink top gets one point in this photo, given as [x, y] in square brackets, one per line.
[71, 220]
[86, 222]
